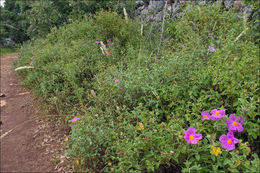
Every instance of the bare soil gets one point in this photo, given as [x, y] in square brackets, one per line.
[33, 144]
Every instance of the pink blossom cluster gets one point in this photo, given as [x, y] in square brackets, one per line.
[234, 124]
[215, 115]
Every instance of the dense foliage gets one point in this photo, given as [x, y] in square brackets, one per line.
[23, 20]
[133, 107]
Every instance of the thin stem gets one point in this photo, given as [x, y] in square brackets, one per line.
[159, 46]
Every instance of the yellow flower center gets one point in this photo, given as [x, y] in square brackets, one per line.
[217, 112]
[234, 123]
[74, 119]
[191, 137]
[205, 116]
[229, 141]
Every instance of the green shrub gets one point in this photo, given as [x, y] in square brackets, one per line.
[138, 121]
[68, 59]
[134, 110]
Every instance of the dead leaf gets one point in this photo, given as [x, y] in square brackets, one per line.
[93, 93]
[140, 126]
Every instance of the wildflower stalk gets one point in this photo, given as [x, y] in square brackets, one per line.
[125, 13]
[24, 67]
[245, 27]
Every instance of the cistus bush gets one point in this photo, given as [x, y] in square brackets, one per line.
[194, 109]
[142, 110]
[66, 62]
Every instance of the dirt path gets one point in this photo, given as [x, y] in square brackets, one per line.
[33, 146]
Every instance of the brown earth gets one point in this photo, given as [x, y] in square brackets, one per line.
[33, 144]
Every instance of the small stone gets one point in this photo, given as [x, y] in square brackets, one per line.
[3, 103]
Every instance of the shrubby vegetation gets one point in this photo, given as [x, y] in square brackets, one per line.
[24, 20]
[134, 106]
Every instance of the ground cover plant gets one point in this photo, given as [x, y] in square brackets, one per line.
[193, 108]
[5, 50]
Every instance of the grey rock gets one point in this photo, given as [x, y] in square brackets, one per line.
[248, 10]
[158, 16]
[228, 3]
[139, 3]
[156, 5]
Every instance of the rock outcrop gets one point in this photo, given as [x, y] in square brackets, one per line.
[152, 10]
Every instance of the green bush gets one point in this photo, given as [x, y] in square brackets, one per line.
[66, 62]
[138, 121]
[134, 110]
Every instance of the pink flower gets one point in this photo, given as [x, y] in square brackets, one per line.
[205, 115]
[70, 19]
[107, 41]
[63, 73]
[217, 114]
[211, 49]
[228, 141]
[97, 42]
[117, 80]
[108, 54]
[73, 120]
[172, 152]
[191, 137]
[234, 124]
[182, 46]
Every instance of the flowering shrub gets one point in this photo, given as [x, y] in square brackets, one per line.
[145, 113]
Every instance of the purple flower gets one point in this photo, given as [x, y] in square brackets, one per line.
[97, 42]
[70, 19]
[108, 54]
[112, 43]
[73, 120]
[107, 41]
[31, 63]
[32, 57]
[63, 73]
[73, 41]
[211, 49]
[182, 46]
[228, 141]
[191, 137]
[234, 124]
[172, 152]
[217, 114]
[117, 80]
[205, 115]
